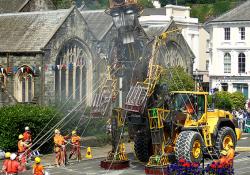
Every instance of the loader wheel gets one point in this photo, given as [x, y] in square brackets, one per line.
[142, 146]
[224, 136]
[189, 146]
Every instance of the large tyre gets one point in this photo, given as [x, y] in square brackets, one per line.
[143, 146]
[189, 146]
[224, 136]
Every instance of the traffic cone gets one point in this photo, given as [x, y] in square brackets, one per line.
[89, 153]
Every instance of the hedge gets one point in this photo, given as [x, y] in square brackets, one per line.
[13, 120]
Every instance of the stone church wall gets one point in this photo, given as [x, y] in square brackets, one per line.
[74, 28]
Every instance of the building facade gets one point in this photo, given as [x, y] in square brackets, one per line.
[229, 55]
[49, 61]
[181, 16]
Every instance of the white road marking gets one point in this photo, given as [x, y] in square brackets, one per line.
[244, 138]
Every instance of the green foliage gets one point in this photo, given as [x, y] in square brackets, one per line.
[146, 3]
[228, 101]
[13, 120]
[204, 9]
[177, 79]
[238, 100]
[62, 4]
[222, 100]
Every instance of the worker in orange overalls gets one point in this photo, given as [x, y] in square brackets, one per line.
[190, 108]
[223, 161]
[230, 153]
[13, 166]
[6, 162]
[27, 139]
[27, 135]
[38, 168]
[60, 148]
[75, 149]
[22, 150]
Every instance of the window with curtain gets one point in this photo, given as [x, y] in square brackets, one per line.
[241, 63]
[227, 33]
[227, 63]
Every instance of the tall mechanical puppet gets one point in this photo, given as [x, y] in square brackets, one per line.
[135, 66]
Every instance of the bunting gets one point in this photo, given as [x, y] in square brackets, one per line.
[36, 69]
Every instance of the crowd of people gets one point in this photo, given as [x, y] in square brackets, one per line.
[242, 116]
[17, 162]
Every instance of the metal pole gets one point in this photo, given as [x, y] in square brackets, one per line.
[120, 92]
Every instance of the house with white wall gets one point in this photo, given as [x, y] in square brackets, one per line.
[192, 30]
[229, 50]
[181, 15]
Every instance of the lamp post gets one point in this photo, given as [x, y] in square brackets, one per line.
[196, 77]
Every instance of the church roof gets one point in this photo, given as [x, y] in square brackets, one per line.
[154, 11]
[29, 31]
[98, 22]
[153, 31]
[240, 13]
[8, 6]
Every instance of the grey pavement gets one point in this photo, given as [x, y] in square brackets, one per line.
[92, 167]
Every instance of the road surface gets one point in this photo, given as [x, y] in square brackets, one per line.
[91, 167]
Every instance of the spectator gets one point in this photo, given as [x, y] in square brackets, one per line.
[240, 119]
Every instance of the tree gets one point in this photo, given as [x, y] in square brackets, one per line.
[62, 4]
[146, 3]
[178, 79]
[228, 101]
[222, 100]
[238, 100]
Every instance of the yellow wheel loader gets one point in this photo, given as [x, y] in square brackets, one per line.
[186, 129]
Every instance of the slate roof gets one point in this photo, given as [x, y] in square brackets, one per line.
[152, 31]
[98, 22]
[154, 11]
[8, 6]
[29, 31]
[240, 13]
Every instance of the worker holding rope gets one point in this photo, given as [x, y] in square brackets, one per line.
[38, 168]
[27, 135]
[22, 150]
[27, 139]
[75, 149]
[60, 148]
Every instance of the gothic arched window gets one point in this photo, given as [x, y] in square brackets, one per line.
[24, 84]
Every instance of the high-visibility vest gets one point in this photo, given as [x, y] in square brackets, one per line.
[38, 169]
[59, 140]
[21, 148]
[27, 136]
[5, 164]
[12, 166]
[230, 154]
[75, 140]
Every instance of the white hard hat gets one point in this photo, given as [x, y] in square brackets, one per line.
[27, 128]
[13, 156]
[57, 131]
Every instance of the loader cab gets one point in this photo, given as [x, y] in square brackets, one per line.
[188, 102]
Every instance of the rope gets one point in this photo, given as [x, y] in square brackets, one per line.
[62, 106]
[50, 135]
